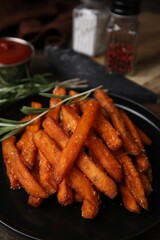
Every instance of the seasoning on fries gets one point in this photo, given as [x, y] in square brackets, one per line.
[80, 152]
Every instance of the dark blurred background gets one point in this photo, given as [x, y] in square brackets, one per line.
[38, 20]
[41, 21]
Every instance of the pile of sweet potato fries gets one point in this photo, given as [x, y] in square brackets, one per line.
[80, 152]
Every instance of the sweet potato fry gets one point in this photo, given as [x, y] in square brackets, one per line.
[35, 170]
[76, 108]
[76, 142]
[14, 182]
[107, 132]
[132, 179]
[48, 147]
[31, 116]
[32, 128]
[96, 175]
[34, 201]
[58, 90]
[89, 211]
[75, 179]
[144, 137]
[28, 151]
[131, 128]
[35, 126]
[107, 103]
[45, 175]
[143, 161]
[26, 144]
[128, 200]
[64, 194]
[77, 197]
[24, 119]
[55, 131]
[149, 174]
[145, 182]
[142, 158]
[80, 104]
[55, 112]
[94, 144]
[95, 160]
[27, 117]
[31, 186]
[105, 157]
[82, 185]
[21, 142]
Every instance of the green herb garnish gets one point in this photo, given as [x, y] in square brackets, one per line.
[10, 93]
[10, 127]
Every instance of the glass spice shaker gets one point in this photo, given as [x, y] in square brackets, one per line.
[122, 34]
[89, 27]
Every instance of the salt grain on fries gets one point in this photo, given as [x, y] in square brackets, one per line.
[80, 152]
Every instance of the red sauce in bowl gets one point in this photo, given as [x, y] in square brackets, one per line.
[13, 51]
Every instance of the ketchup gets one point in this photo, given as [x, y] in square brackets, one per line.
[12, 51]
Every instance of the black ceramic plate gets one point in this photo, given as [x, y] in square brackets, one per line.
[52, 221]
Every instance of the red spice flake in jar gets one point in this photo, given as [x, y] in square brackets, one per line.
[12, 52]
[120, 58]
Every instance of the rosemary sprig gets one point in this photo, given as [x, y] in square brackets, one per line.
[10, 93]
[11, 127]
